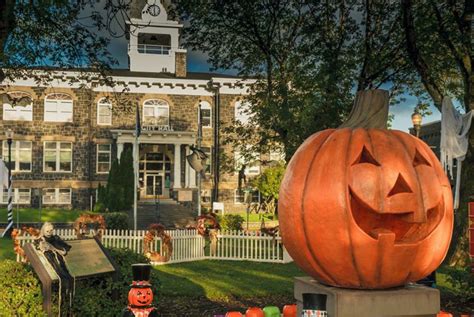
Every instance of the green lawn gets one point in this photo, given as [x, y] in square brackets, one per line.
[33, 215]
[6, 249]
[222, 280]
[254, 217]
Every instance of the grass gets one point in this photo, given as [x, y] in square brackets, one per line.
[254, 217]
[223, 280]
[49, 214]
[6, 249]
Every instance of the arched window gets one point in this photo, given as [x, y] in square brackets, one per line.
[104, 111]
[58, 107]
[156, 112]
[205, 116]
[17, 106]
[242, 112]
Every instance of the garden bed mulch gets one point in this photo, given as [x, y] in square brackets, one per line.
[202, 306]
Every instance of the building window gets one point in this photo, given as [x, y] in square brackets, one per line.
[21, 155]
[252, 166]
[242, 112]
[103, 158]
[23, 111]
[58, 108]
[104, 112]
[156, 112]
[21, 196]
[205, 117]
[240, 196]
[57, 157]
[57, 196]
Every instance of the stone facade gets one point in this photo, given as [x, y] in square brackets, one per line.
[84, 133]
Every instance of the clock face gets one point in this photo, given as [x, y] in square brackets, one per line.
[154, 10]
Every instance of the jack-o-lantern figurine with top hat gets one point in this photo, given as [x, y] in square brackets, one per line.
[140, 296]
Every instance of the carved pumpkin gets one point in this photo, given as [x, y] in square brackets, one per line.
[140, 296]
[365, 208]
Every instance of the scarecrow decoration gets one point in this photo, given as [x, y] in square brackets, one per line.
[140, 296]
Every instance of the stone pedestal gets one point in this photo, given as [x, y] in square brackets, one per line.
[408, 301]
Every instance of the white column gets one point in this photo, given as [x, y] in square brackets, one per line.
[177, 166]
[192, 176]
[186, 168]
[120, 149]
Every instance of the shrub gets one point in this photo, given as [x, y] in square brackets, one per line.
[112, 293]
[100, 296]
[21, 290]
[231, 222]
[116, 220]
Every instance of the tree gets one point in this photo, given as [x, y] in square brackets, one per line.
[114, 189]
[127, 178]
[308, 59]
[268, 184]
[439, 41]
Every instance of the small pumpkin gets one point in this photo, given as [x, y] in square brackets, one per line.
[140, 296]
[289, 310]
[365, 208]
[254, 312]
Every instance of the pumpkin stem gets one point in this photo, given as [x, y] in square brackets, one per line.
[370, 110]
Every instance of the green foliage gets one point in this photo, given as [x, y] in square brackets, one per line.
[21, 290]
[118, 193]
[127, 177]
[106, 297]
[268, 182]
[116, 220]
[231, 222]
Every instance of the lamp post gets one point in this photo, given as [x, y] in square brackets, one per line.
[9, 135]
[416, 120]
[199, 140]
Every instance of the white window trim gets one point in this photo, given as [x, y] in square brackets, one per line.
[205, 106]
[58, 155]
[16, 197]
[16, 155]
[165, 105]
[56, 197]
[18, 109]
[67, 99]
[97, 158]
[104, 103]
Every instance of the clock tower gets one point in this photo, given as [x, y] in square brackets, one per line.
[154, 41]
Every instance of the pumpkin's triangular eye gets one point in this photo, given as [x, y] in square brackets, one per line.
[401, 186]
[420, 159]
[366, 157]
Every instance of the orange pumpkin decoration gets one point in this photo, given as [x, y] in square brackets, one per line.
[289, 311]
[139, 297]
[365, 208]
[254, 312]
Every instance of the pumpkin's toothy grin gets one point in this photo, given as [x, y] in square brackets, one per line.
[376, 224]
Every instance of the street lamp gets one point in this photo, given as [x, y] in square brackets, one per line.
[416, 120]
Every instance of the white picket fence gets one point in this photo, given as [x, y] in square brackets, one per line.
[188, 245]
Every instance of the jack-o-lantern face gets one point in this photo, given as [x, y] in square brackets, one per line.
[365, 208]
[140, 296]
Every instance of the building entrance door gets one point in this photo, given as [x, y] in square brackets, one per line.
[154, 185]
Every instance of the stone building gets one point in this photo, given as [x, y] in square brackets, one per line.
[67, 136]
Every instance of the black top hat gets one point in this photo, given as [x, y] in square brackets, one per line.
[141, 271]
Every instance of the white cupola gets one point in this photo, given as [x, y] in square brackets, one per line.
[154, 42]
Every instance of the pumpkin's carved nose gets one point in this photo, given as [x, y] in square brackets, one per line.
[401, 186]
